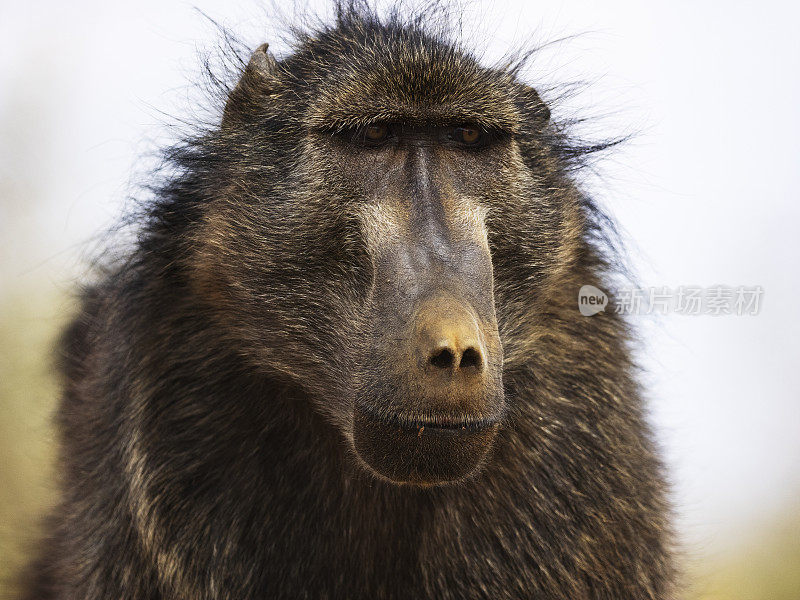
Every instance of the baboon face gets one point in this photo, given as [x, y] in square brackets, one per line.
[430, 393]
[349, 242]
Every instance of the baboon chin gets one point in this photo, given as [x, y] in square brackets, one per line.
[422, 452]
[344, 358]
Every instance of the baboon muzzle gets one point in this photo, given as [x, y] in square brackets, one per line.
[432, 396]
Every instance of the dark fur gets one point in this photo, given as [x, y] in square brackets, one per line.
[203, 448]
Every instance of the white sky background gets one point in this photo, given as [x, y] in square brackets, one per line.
[707, 192]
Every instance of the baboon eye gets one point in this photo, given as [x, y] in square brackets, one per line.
[375, 134]
[468, 135]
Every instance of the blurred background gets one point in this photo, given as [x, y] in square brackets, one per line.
[706, 194]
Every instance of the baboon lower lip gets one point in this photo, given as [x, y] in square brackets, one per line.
[435, 423]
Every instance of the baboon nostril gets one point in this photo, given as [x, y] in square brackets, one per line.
[444, 359]
[471, 359]
[448, 339]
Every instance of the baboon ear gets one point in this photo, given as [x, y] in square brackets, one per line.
[532, 104]
[257, 80]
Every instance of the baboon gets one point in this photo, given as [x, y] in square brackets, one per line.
[345, 358]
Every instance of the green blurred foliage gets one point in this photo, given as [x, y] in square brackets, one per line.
[29, 325]
[762, 565]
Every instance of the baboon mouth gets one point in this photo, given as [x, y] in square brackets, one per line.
[439, 424]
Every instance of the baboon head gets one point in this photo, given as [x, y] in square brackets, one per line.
[375, 227]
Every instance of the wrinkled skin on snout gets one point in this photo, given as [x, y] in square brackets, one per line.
[429, 397]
